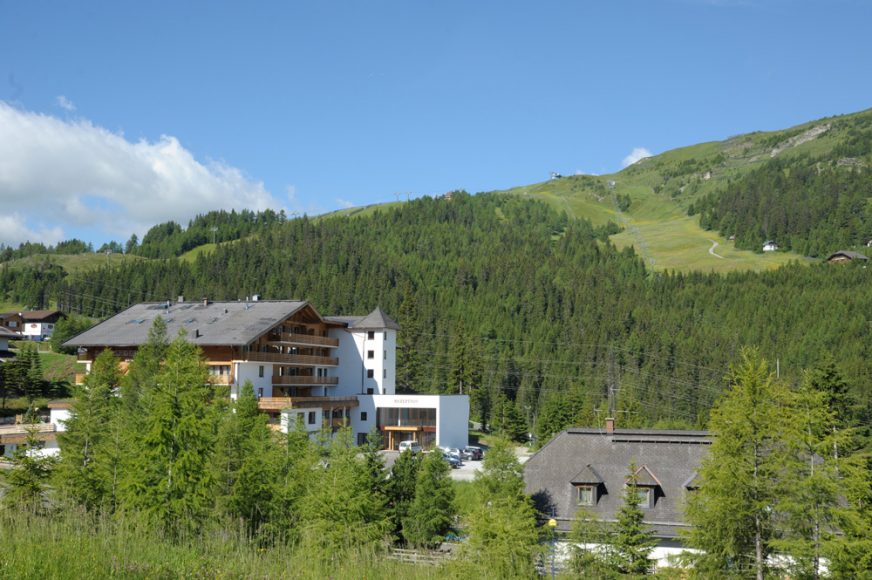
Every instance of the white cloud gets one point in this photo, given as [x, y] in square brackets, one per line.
[635, 156]
[583, 172]
[344, 203]
[13, 231]
[65, 104]
[73, 173]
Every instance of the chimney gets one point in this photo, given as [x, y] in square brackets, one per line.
[197, 333]
[255, 297]
[610, 425]
[205, 301]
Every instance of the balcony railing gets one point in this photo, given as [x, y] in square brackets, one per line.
[288, 380]
[221, 379]
[294, 359]
[300, 338]
[280, 403]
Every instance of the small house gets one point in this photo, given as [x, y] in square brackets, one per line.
[588, 468]
[39, 324]
[770, 246]
[846, 256]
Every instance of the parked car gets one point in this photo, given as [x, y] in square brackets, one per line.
[453, 460]
[412, 446]
[472, 453]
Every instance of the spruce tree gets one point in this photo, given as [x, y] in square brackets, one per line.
[84, 446]
[169, 479]
[401, 488]
[245, 463]
[338, 511]
[503, 537]
[731, 513]
[631, 542]
[431, 514]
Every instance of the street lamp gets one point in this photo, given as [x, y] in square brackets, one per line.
[552, 525]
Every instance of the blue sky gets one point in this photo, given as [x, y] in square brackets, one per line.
[118, 115]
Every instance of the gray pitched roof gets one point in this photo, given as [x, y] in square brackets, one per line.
[218, 323]
[375, 320]
[848, 254]
[669, 459]
[6, 333]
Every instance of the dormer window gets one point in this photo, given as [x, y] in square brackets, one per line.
[648, 487]
[587, 484]
[585, 495]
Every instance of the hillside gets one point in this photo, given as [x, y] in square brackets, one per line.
[651, 199]
[515, 301]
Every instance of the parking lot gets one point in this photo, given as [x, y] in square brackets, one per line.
[465, 472]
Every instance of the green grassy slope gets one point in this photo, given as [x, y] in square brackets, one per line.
[661, 188]
[74, 263]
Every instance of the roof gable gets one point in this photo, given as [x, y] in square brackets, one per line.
[587, 475]
[375, 320]
[645, 478]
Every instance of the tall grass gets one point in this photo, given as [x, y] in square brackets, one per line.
[77, 545]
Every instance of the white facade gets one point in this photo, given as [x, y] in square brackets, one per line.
[367, 362]
[37, 330]
[451, 420]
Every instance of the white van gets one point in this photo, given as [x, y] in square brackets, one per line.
[412, 446]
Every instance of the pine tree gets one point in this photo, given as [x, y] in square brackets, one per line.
[631, 543]
[589, 546]
[503, 537]
[170, 480]
[731, 513]
[431, 514]
[338, 512]
[401, 488]
[245, 463]
[83, 444]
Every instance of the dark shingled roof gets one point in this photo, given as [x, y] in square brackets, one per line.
[848, 254]
[37, 315]
[218, 323]
[669, 461]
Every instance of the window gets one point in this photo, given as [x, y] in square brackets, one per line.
[311, 417]
[370, 335]
[363, 415]
[260, 371]
[385, 373]
[259, 392]
[219, 370]
[586, 495]
[645, 495]
[370, 374]
[386, 334]
[370, 354]
[386, 355]
[370, 391]
[362, 439]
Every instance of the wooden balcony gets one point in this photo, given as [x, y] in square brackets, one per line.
[304, 339]
[221, 379]
[292, 381]
[281, 403]
[80, 378]
[19, 433]
[294, 359]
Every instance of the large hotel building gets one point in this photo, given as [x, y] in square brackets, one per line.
[322, 371]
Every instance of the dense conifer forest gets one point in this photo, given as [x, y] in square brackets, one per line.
[534, 314]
